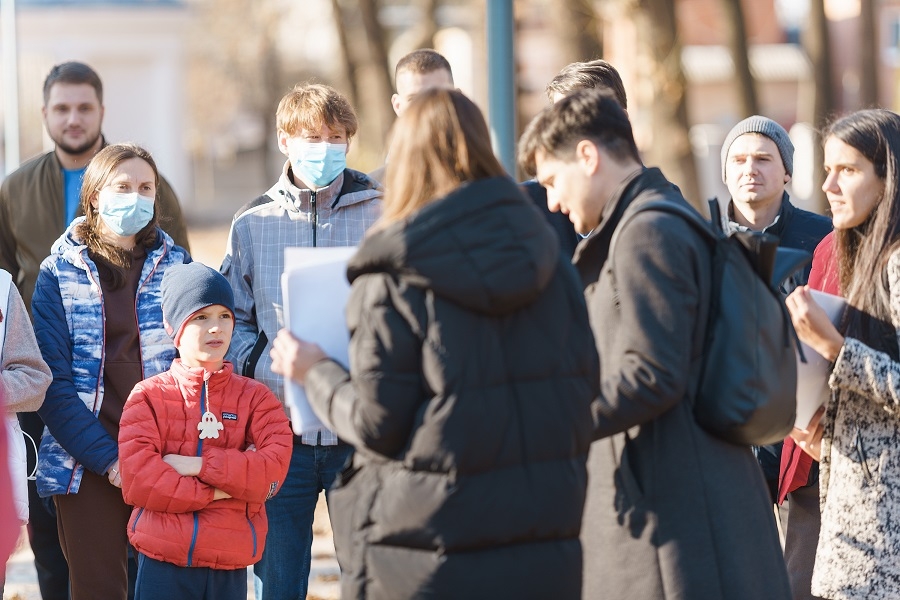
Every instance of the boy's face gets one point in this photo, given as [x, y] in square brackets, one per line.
[205, 337]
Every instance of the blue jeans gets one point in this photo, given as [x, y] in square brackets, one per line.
[283, 571]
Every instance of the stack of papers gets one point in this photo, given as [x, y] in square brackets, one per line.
[812, 376]
[315, 291]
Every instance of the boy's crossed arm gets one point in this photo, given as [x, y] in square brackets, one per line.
[147, 480]
[254, 474]
[190, 466]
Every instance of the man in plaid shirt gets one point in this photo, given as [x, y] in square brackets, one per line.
[317, 201]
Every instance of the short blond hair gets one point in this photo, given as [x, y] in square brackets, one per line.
[310, 105]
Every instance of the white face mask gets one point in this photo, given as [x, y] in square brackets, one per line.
[125, 214]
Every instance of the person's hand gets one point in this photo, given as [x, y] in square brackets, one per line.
[810, 439]
[293, 357]
[114, 476]
[220, 495]
[813, 326]
[187, 466]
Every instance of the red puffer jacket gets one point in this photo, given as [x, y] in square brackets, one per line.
[175, 518]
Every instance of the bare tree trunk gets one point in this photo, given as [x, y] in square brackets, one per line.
[868, 55]
[577, 30]
[737, 43]
[380, 70]
[671, 148]
[427, 27]
[351, 64]
[816, 40]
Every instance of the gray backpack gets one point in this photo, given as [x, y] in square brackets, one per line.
[748, 378]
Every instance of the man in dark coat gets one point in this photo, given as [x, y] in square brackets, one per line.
[591, 75]
[671, 512]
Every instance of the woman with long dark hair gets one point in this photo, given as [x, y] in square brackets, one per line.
[99, 324]
[857, 435]
[472, 369]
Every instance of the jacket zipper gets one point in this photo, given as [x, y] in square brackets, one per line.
[136, 519]
[315, 215]
[203, 392]
[252, 529]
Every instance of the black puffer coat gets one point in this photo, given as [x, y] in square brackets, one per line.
[473, 368]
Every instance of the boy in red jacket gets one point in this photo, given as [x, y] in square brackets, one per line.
[201, 449]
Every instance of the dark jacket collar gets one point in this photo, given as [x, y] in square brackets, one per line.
[591, 253]
[776, 228]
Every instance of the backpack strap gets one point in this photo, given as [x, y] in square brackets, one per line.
[703, 228]
[688, 214]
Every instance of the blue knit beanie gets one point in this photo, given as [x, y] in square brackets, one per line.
[763, 126]
[189, 288]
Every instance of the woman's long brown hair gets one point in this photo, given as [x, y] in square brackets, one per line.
[863, 251]
[440, 142]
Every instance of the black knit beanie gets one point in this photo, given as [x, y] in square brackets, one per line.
[189, 288]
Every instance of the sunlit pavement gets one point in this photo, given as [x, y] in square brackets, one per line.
[324, 581]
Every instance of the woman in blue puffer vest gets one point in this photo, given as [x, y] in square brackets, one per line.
[99, 324]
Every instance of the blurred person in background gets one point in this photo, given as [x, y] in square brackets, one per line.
[37, 202]
[591, 75]
[24, 377]
[419, 70]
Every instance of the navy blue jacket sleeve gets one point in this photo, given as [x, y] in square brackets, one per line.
[71, 422]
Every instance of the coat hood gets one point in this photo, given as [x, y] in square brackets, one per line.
[484, 246]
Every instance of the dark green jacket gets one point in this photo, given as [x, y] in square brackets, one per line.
[32, 217]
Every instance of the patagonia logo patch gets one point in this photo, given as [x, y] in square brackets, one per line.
[229, 416]
[273, 487]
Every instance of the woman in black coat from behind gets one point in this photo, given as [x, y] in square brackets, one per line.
[472, 369]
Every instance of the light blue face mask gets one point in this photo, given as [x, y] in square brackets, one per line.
[125, 214]
[317, 163]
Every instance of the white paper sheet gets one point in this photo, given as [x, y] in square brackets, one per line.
[315, 290]
[812, 376]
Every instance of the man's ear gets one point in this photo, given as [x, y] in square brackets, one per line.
[282, 141]
[588, 156]
[395, 102]
[787, 177]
